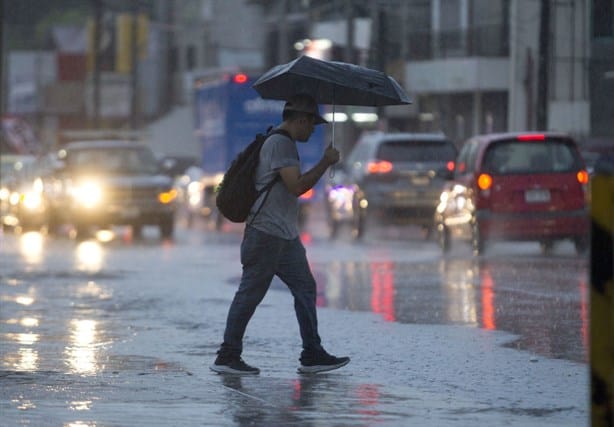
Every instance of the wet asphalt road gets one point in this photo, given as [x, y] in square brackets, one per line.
[92, 333]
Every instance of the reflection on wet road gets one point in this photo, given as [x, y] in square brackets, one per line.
[92, 332]
[307, 399]
[542, 300]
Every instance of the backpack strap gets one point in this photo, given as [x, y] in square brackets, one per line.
[267, 188]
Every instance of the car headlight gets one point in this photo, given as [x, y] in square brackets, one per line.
[32, 200]
[88, 194]
[341, 198]
[4, 193]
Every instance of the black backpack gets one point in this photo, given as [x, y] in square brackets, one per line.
[237, 192]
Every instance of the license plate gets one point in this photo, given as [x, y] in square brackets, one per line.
[130, 212]
[420, 180]
[537, 196]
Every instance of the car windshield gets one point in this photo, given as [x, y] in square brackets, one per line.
[549, 156]
[416, 151]
[124, 160]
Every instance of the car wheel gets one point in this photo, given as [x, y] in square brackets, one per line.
[477, 242]
[219, 220]
[427, 232]
[443, 238]
[359, 220]
[581, 244]
[82, 232]
[137, 231]
[167, 227]
[190, 219]
[333, 228]
[546, 246]
[53, 224]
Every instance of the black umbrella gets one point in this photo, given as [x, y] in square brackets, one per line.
[331, 82]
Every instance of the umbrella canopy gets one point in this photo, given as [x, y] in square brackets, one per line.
[331, 82]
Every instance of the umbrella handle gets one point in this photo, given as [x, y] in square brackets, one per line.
[333, 143]
[331, 172]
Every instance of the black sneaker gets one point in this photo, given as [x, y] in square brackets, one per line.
[233, 365]
[321, 362]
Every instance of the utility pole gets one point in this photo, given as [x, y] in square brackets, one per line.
[167, 11]
[543, 65]
[134, 69]
[349, 45]
[381, 54]
[97, 55]
[3, 85]
[282, 40]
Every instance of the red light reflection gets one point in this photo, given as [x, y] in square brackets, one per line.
[584, 315]
[382, 294]
[306, 238]
[488, 299]
[368, 395]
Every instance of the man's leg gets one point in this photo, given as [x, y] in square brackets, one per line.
[259, 253]
[294, 270]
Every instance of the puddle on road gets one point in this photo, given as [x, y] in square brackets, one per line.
[45, 397]
[543, 302]
[311, 399]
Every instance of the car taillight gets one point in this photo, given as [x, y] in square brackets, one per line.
[307, 195]
[582, 177]
[484, 182]
[379, 167]
[450, 166]
[240, 78]
[531, 137]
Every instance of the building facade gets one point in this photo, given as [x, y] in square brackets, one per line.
[480, 66]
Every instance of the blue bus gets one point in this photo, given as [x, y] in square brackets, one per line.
[228, 113]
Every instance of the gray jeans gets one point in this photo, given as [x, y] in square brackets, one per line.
[264, 256]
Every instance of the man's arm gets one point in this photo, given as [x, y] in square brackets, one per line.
[298, 183]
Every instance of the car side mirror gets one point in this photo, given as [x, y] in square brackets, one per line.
[165, 167]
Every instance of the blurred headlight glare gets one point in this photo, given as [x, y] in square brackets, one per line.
[14, 198]
[4, 193]
[38, 185]
[88, 194]
[32, 200]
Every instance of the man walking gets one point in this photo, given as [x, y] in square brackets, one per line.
[271, 244]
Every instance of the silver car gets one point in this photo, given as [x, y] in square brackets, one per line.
[391, 177]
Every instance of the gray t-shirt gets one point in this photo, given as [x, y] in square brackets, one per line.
[279, 214]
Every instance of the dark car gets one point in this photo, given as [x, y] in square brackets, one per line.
[22, 205]
[105, 183]
[516, 186]
[391, 177]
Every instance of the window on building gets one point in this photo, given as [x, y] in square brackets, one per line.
[603, 18]
[450, 27]
[190, 57]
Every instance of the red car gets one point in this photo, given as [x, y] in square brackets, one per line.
[516, 186]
